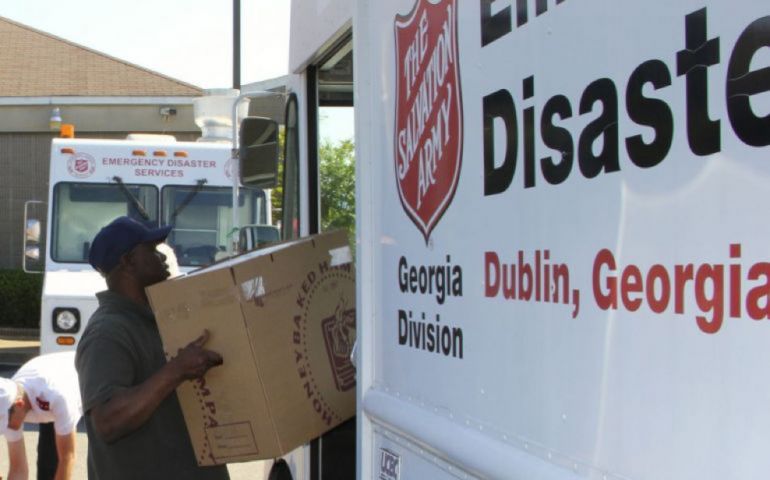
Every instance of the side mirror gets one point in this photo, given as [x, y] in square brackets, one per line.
[257, 236]
[33, 255]
[32, 232]
[258, 150]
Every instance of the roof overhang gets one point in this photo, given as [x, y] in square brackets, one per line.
[22, 101]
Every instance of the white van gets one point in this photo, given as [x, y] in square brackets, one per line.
[158, 181]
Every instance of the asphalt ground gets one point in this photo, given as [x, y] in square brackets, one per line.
[13, 353]
[16, 352]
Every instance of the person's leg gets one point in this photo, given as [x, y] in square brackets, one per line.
[46, 452]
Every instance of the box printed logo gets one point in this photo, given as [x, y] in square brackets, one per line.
[328, 314]
[429, 126]
[339, 332]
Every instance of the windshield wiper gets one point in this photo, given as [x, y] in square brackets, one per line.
[131, 198]
[197, 188]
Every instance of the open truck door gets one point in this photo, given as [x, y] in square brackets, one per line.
[332, 456]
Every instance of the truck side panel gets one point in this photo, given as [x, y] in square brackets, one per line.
[563, 271]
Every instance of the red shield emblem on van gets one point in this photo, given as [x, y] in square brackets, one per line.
[429, 125]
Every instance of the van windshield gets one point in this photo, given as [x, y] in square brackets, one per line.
[80, 210]
[201, 216]
[202, 219]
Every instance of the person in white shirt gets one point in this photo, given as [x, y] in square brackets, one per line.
[43, 390]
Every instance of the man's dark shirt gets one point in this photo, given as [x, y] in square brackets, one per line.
[121, 348]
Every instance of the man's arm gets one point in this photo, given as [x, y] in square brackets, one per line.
[17, 460]
[129, 409]
[65, 449]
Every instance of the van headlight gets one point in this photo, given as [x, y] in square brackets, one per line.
[66, 320]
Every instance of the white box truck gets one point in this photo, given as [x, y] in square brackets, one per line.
[152, 178]
[563, 269]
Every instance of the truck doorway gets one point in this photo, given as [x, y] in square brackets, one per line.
[332, 206]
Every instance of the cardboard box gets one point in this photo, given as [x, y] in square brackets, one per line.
[283, 318]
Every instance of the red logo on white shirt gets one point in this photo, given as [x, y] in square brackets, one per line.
[45, 406]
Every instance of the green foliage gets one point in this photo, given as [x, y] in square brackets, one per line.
[276, 194]
[337, 177]
[20, 299]
[338, 191]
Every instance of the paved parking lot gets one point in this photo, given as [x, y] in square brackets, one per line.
[238, 471]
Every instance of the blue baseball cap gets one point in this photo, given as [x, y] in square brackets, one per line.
[118, 238]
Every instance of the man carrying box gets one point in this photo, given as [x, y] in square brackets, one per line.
[133, 418]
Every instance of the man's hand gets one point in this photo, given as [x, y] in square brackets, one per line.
[129, 409]
[193, 361]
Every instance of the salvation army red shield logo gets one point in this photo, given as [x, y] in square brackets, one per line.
[429, 125]
[81, 165]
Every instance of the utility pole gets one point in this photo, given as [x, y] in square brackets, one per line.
[237, 44]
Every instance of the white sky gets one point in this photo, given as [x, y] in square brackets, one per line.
[190, 40]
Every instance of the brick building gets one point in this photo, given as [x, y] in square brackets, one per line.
[103, 97]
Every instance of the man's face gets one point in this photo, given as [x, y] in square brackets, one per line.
[149, 264]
